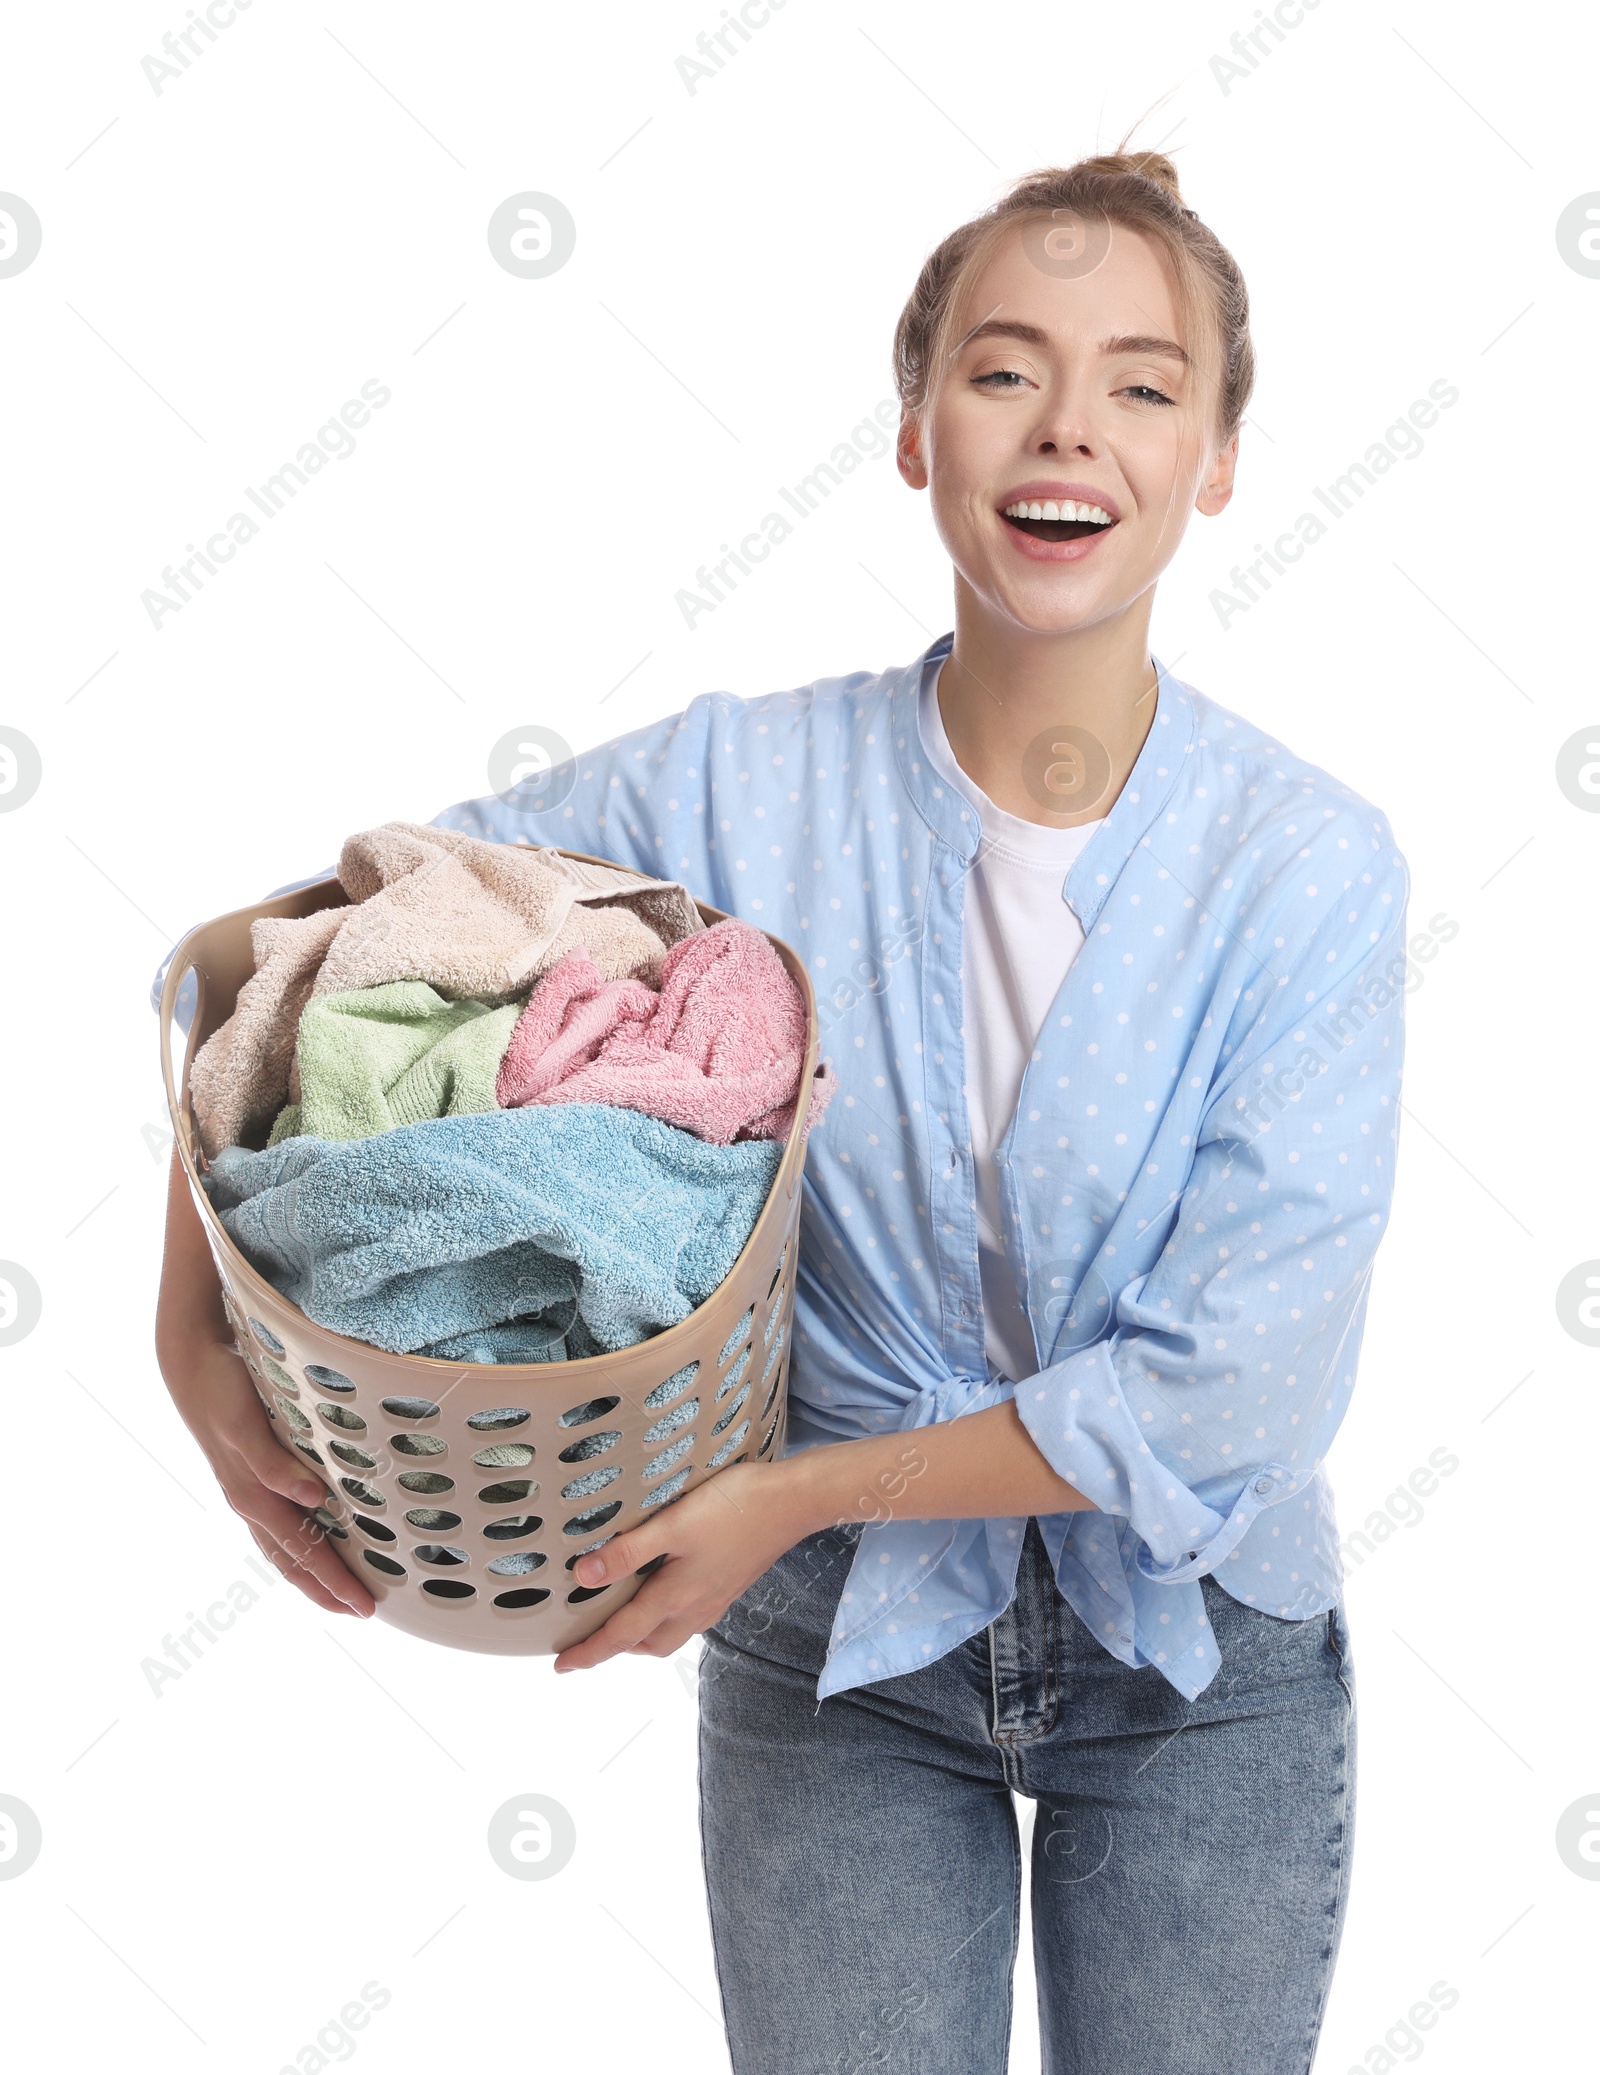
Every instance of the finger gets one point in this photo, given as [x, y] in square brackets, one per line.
[252, 1442]
[306, 1581]
[302, 1544]
[621, 1556]
[671, 1636]
[643, 1614]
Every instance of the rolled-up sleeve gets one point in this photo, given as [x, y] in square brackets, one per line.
[1230, 1363]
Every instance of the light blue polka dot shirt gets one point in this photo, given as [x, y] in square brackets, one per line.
[1196, 1178]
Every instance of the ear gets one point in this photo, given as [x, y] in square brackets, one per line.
[1217, 488]
[908, 452]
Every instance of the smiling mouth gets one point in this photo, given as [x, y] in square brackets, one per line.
[1063, 520]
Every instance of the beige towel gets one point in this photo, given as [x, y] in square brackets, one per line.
[478, 921]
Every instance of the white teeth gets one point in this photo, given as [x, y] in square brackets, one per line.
[1092, 514]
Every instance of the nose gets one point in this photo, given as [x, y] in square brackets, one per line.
[1065, 429]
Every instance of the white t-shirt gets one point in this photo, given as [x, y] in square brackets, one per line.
[1018, 939]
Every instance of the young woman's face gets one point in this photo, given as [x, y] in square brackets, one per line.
[1075, 390]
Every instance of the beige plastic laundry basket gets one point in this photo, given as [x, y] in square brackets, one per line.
[461, 1494]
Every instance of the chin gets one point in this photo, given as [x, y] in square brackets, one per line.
[1055, 607]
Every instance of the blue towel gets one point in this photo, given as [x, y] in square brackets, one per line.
[541, 1234]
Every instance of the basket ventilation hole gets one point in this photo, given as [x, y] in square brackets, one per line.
[664, 1393]
[591, 1408]
[728, 1446]
[281, 1377]
[597, 1516]
[669, 1422]
[342, 1417]
[591, 1445]
[733, 1375]
[667, 1457]
[663, 1492]
[375, 1528]
[427, 1483]
[416, 1444]
[293, 1414]
[510, 1455]
[590, 1482]
[386, 1564]
[410, 1408]
[514, 1529]
[329, 1525]
[736, 1336]
[311, 1455]
[507, 1494]
[525, 1596]
[352, 1456]
[498, 1420]
[449, 1588]
[269, 1340]
[579, 1593]
[430, 1516]
[441, 1554]
[766, 1439]
[328, 1379]
[363, 1494]
[518, 1564]
[732, 1410]
[778, 1271]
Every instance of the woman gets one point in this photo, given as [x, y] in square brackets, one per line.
[1111, 983]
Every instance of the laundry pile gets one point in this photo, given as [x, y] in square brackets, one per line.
[505, 1106]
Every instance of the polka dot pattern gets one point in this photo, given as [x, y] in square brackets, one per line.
[1198, 1173]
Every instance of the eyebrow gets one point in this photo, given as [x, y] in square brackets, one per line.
[1031, 335]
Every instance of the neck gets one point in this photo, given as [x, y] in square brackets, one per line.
[1003, 689]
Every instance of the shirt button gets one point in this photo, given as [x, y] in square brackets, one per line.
[1263, 1485]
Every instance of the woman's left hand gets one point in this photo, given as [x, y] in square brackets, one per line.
[716, 1539]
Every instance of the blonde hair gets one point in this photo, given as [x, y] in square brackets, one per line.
[1138, 189]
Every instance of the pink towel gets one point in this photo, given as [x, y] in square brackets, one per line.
[718, 1051]
[478, 921]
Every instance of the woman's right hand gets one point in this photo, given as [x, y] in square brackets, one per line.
[217, 1402]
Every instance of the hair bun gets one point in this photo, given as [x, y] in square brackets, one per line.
[1149, 165]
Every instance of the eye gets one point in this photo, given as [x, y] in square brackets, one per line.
[1145, 392]
[1006, 377]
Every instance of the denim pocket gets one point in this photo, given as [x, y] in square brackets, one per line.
[1339, 1648]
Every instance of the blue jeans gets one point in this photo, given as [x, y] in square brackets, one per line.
[1190, 1858]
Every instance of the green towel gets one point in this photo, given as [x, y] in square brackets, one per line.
[397, 1054]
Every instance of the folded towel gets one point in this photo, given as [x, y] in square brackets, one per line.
[484, 1226]
[718, 1051]
[393, 1055]
[475, 920]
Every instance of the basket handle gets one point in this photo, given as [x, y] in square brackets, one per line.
[179, 967]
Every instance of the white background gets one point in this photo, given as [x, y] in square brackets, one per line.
[225, 1864]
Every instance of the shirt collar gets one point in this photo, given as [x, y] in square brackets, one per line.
[1149, 786]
